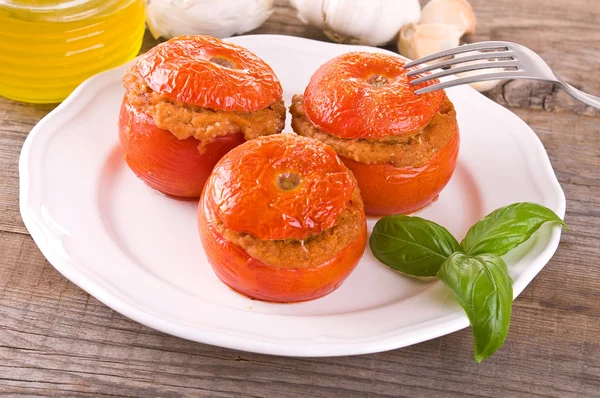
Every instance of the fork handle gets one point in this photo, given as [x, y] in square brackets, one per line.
[586, 98]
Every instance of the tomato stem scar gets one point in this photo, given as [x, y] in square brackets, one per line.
[288, 181]
[224, 62]
[377, 80]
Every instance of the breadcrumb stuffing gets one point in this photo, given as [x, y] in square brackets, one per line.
[186, 120]
[401, 151]
[294, 253]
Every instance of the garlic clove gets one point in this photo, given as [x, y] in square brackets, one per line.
[218, 18]
[310, 12]
[374, 22]
[480, 86]
[454, 12]
[417, 41]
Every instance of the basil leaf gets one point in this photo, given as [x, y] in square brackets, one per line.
[506, 228]
[483, 288]
[411, 244]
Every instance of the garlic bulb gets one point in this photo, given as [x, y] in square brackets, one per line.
[310, 12]
[417, 41]
[452, 12]
[218, 18]
[374, 22]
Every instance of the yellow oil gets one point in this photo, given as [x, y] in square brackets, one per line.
[48, 47]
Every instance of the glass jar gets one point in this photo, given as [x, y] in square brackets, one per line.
[48, 47]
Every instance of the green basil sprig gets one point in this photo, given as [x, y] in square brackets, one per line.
[473, 270]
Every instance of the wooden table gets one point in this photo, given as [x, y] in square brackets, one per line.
[55, 339]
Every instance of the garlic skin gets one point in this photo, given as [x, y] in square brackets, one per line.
[218, 18]
[452, 12]
[417, 41]
[374, 22]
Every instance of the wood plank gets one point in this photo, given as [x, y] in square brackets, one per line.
[57, 340]
[10, 148]
[53, 332]
[565, 34]
[17, 117]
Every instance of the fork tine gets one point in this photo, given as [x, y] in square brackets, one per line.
[484, 45]
[466, 68]
[460, 60]
[472, 79]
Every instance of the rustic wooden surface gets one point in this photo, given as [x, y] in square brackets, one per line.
[57, 340]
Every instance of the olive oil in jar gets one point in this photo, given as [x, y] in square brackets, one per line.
[48, 47]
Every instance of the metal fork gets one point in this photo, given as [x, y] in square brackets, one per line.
[517, 62]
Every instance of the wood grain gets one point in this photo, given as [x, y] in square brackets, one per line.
[56, 340]
[564, 33]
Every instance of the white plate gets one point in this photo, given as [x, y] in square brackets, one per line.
[138, 251]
